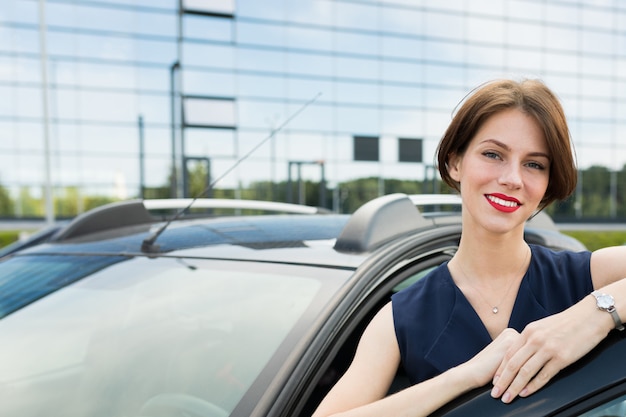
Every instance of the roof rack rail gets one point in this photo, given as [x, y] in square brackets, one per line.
[137, 212]
[435, 199]
[225, 203]
[379, 220]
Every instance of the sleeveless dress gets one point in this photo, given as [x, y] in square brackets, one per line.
[437, 328]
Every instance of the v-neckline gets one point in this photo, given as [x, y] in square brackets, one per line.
[471, 307]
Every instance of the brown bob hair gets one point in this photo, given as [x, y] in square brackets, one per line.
[532, 97]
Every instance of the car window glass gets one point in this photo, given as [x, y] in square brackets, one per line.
[119, 340]
[24, 279]
[412, 279]
[344, 355]
[615, 408]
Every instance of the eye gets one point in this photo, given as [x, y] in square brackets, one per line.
[491, 155]
[536, 165]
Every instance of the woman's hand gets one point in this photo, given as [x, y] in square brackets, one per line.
[545, 347]
[483, 366]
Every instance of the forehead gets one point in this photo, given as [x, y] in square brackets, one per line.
[514, 129]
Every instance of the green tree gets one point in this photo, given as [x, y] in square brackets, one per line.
[66, 202]
[6, 204]
[596, 188]
[27, 205]
[97, 201]
[198, 180]
[621, 193]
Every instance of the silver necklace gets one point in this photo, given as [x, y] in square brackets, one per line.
[495, 308]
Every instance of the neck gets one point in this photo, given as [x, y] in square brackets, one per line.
[490, 253]
[483, 262]
[488, 287]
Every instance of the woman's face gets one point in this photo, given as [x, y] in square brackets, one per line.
[504, 172]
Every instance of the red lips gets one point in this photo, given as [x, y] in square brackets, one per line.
[503, 203]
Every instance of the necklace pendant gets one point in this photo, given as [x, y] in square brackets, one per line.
[494, 310]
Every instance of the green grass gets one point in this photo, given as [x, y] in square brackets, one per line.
[8, 236]
[598, 239]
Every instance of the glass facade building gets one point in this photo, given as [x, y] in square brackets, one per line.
[103, 96]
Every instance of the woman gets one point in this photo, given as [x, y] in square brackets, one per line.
[500, 310]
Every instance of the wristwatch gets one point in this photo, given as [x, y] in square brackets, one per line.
[606, 303]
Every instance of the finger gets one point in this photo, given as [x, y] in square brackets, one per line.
[537, 367]
[509, 369]
[546, 373]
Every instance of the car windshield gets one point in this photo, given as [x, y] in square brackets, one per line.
[147, 334]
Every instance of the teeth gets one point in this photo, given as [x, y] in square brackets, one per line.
[502, 202]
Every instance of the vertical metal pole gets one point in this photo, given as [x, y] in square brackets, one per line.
[301, 198]
[177, 79]
[613, 199]
[323, 186]
[49, 207]
[142, 183]
[174, 178]
[180, 96]
[289, 190]
[185, 175]
[183, 156]
[209, 192]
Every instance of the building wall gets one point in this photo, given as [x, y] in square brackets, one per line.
[330, 70]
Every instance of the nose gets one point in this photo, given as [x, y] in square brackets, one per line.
[511, 176]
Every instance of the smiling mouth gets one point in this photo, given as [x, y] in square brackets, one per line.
[502, 204]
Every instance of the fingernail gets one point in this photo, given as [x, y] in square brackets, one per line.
[495, 392]
[506, 397]
[524, 392]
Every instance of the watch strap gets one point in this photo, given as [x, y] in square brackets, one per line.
[618, 322]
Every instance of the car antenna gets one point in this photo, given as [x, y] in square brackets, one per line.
[148, 243]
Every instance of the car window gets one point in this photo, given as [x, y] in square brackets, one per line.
[24, 279]
[145, 336]
[345, 350]
[615, 408]
[412, 279]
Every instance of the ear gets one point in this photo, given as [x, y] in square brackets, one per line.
[454, 166]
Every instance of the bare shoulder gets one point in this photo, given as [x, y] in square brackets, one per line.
[384, 317]
[380, 334]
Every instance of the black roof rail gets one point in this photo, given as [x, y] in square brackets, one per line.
[379, 220]
[109, 216]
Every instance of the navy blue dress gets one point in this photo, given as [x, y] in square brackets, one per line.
[437, 328]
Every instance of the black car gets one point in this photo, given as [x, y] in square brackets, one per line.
[126, 313]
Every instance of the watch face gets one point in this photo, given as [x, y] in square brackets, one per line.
[605, 301]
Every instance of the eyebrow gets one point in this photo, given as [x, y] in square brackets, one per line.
[507, 148]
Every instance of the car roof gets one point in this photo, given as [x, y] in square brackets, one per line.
[133, 227]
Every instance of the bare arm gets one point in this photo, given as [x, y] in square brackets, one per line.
[362, 389]
[551, 344]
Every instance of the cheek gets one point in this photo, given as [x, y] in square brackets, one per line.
[479, 173]
[538, 185]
